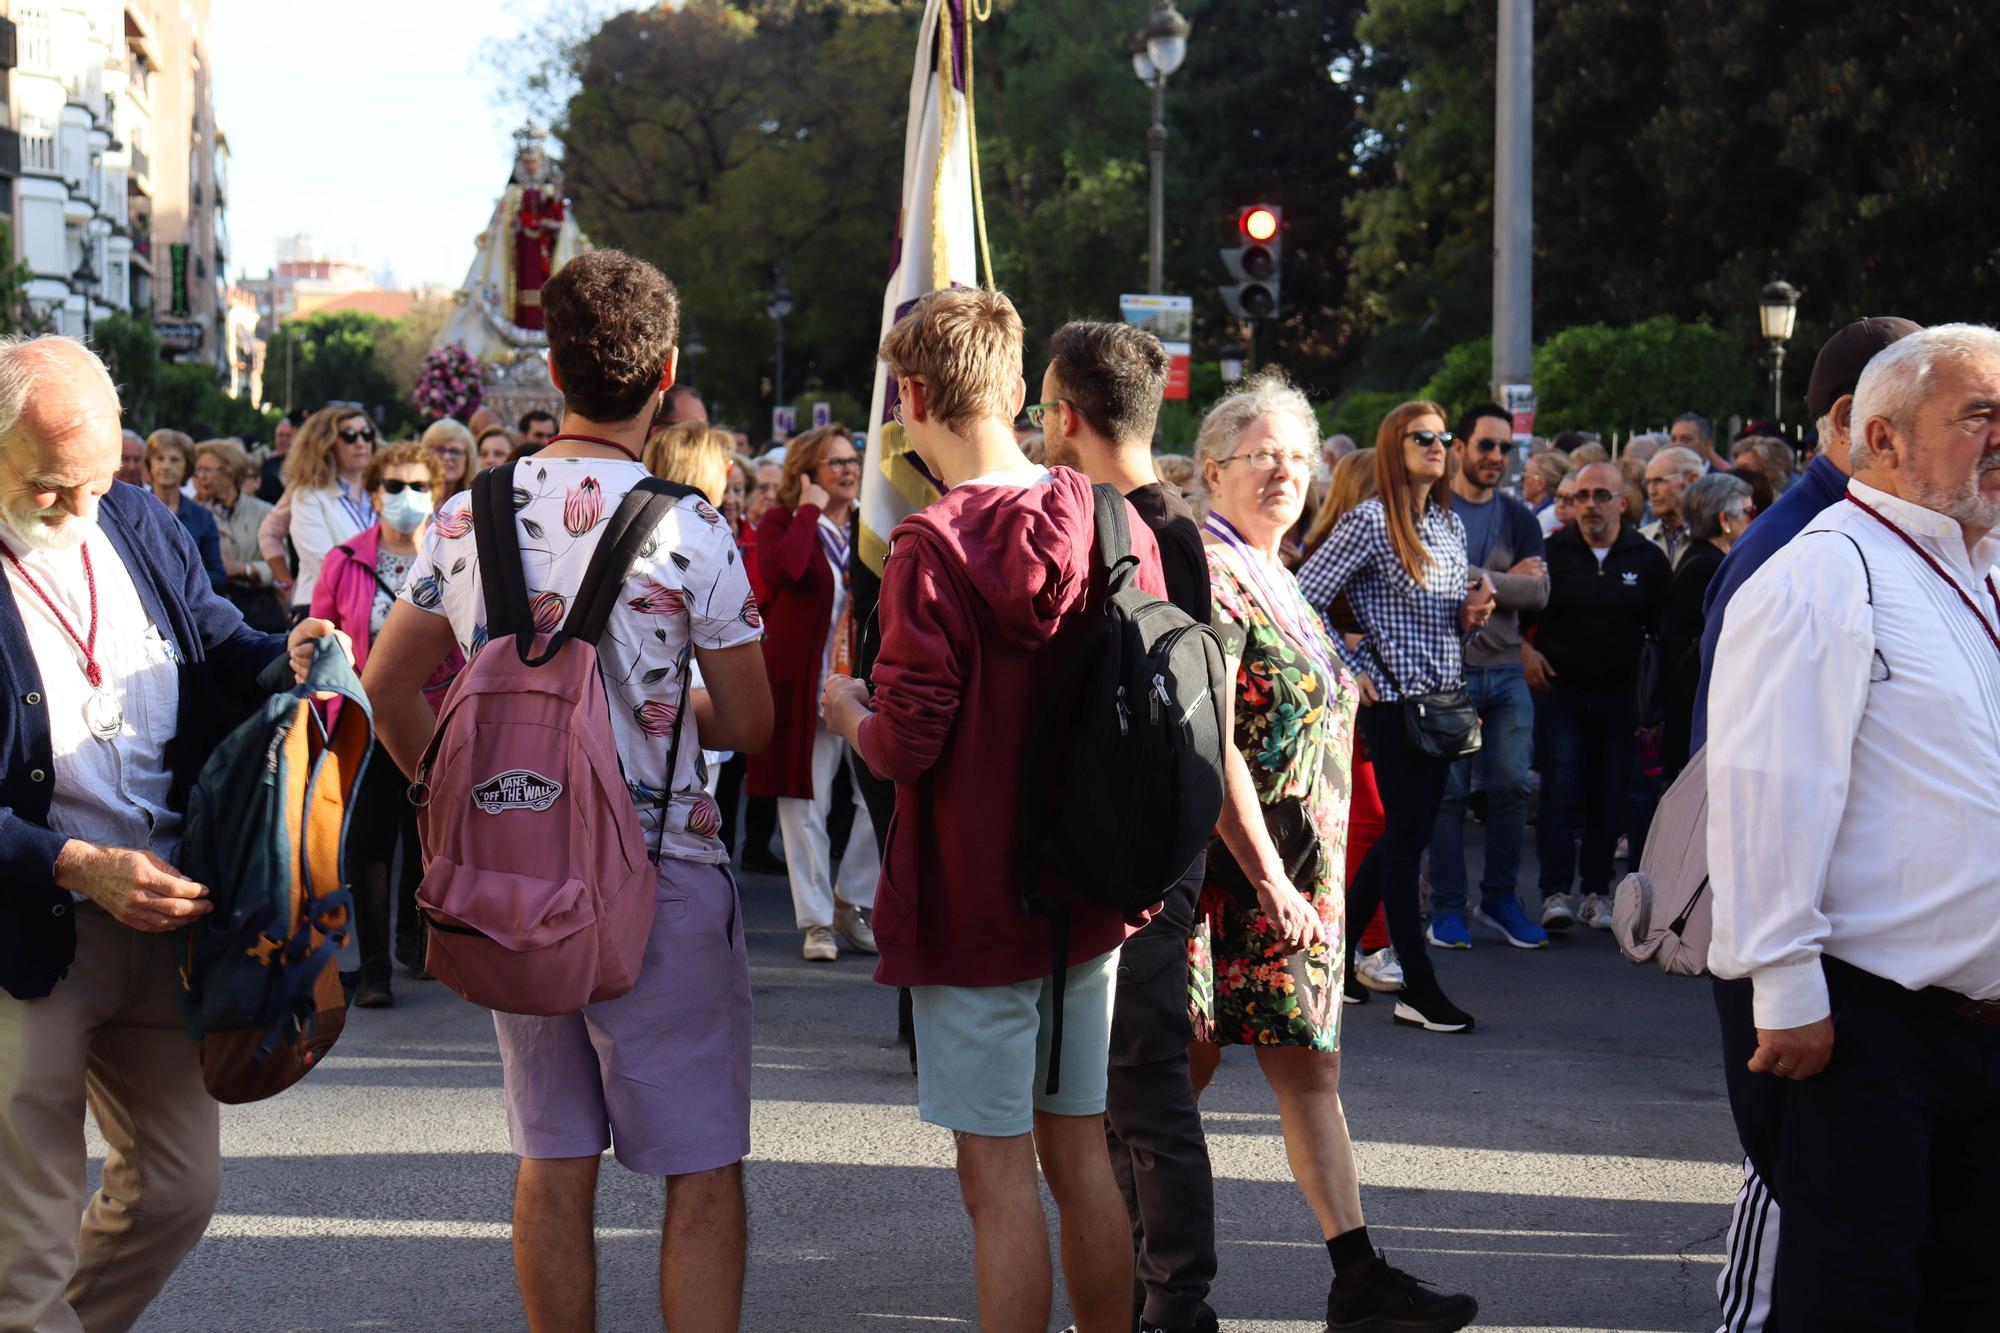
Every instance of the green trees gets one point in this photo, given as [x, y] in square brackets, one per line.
[334, 355]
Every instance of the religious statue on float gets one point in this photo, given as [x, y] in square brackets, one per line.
[530, 236]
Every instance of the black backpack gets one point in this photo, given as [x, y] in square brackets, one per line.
[1121, 779]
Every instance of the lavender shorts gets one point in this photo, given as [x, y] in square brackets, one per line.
[662, 1073]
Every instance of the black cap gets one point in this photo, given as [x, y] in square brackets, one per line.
[1846, 354]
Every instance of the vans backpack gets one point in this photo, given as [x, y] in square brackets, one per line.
[538, 887]
[1121, 781]
[266, 831]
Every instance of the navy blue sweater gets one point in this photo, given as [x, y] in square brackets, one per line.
[219, 658]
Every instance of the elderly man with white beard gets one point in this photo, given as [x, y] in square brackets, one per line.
[114, 649]
[1854, 803]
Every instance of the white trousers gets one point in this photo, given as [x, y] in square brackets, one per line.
[802, 824]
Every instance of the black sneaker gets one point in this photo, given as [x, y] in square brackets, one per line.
[1204, 1322]
[1423, 1004]
[1391, 1301]
[374, 993]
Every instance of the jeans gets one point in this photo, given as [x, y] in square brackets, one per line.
[1507, 742]
[1587, 749]
[1412, 786]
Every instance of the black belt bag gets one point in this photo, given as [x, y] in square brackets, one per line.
[1440, 725]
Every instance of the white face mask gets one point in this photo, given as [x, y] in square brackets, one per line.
[406, 510]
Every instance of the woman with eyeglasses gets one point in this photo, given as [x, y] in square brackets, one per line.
[452, 443]
[1401, 560]
[356, 587]
[803, 546]
[324, 490]
[169, 467]
[1265, 955]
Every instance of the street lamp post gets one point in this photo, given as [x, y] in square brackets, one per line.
[1778, 315]
[780, 306]
[1157, 52]
[86, 278]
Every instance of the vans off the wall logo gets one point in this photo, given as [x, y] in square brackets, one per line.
[517, 789]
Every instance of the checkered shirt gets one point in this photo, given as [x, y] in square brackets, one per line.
[1411, 628]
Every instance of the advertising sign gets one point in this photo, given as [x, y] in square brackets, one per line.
[1171, 320]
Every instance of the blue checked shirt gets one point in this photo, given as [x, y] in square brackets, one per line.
[1412, 627]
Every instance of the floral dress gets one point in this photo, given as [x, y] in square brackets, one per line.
[1295, 728]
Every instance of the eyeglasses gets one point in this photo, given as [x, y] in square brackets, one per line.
[449, 453]
[852, 463]
[1268, 460]
[349, 435]
[1040, 410]
[1494, 446]
[209, 470]
[1598, 497]
[1565, 497]
[1427, 438]
[395, 487]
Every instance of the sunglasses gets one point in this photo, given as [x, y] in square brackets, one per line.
[1494, 446]
[349, 435]
[1599, 497]
[1427, 438]
[395, 487]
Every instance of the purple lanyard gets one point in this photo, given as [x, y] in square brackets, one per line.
[1285, 612]
[835, 543]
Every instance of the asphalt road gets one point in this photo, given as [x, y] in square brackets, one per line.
[1570, 1163]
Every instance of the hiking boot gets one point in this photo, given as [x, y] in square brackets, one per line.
[1380, 970]
[1557, 913]
[1505, 915]
[1423, 1004]
[820, 945]
[852, 922]
[1388, 1300]
[373, 993]
[1595, 912]
[1447, 931]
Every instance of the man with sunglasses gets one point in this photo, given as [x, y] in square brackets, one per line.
[1503, 538]
[1607, 595]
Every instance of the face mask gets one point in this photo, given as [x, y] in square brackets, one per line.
[406, 510]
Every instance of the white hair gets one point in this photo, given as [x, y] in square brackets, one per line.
[1894, 382]
[1685, 461]
[26, 363]
[1646, 447]
[1267, 393]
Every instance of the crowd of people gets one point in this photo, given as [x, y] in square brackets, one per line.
[1453, 624]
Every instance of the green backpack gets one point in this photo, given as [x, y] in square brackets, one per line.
[266, 832]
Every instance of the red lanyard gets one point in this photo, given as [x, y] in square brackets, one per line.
[91, 671]
[1939, 570]
[624, 449]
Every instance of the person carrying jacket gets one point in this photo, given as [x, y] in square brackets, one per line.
[117, 653]
[1607, 596]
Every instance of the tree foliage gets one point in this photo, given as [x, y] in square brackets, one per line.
[334, 355]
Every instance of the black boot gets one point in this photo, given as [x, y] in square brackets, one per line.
[373, 991]
[1388, 1300]
[1422, 1003]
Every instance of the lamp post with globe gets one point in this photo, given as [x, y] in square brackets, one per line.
[1777, 316]
[1157, 52]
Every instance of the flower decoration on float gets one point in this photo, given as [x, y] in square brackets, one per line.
[449, 384]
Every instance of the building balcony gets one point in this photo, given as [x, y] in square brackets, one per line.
[10, 44]
[10, 153]
[139, 178]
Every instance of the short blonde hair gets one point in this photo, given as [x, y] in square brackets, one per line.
[964, 345]
[694, 454]
[160, 441]
[446, 429]
[231, 456]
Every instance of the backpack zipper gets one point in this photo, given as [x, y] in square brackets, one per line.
[1124, 714]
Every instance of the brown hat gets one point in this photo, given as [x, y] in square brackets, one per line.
[1846, 354]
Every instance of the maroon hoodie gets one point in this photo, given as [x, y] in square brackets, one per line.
[981, 591]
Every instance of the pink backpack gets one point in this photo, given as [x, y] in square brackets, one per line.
[538, 888]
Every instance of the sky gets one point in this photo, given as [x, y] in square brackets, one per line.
[371, 124]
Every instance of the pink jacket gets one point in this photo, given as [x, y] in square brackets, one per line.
[345, 594]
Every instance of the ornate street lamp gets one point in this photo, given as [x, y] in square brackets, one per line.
[1778, 315]
[1157, 51]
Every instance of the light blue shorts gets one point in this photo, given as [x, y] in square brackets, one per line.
[983, 1051]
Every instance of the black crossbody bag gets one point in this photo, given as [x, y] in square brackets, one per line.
[1440, 725]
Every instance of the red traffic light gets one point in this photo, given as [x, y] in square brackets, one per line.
[1259, 223]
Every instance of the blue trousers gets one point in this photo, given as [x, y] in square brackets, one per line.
[1507, 747]
[1587, 744]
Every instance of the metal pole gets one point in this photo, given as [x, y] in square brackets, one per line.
[779, 379]
[1513, 197]
[1156, 140]
[1777, 382]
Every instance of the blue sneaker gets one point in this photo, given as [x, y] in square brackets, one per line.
[1447, 931]
[1505, 915]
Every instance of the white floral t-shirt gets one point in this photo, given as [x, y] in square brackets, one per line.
[687, 588]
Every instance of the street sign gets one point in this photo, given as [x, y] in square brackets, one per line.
[1519, 400]
[1171, 320]
[784, 422]
[822, 415]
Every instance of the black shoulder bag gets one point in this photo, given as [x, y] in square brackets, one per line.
[1440, 725]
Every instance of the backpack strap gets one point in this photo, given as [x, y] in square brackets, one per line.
[499, 545]
[1111, 551]
[630, 527]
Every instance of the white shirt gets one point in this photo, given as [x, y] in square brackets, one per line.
[1854, 765]
[109, 792]
[688, 590]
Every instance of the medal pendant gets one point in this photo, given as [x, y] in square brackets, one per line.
[103, 714]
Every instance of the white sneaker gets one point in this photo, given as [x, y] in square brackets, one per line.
[1557, 914]
[1595, 912]
[852, 922]
[820, 945]
[1380, 970]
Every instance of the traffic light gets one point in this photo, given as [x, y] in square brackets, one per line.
[1254, 262]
